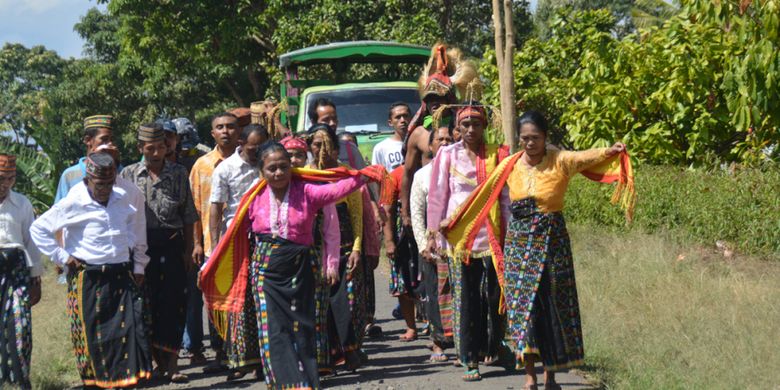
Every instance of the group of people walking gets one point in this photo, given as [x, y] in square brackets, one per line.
[280, 234]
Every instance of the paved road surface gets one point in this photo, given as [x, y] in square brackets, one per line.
[392, 365]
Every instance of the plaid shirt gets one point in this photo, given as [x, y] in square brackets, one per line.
[200, 180]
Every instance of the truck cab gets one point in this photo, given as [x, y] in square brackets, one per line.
[362, 78]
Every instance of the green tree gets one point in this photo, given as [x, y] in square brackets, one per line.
[25, 76]
[236, 44]
[629, 14]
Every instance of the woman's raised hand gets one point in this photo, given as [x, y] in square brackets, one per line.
[618, 147]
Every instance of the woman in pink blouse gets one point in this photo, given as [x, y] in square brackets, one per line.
[283, 271]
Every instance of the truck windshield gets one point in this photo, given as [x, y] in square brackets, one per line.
[365, 109]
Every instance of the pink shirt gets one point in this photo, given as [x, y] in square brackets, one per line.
[295, 217]
[370, 233]
[453, 178]
[331, 237]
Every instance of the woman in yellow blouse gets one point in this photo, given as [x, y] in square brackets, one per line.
[347, 306]
[536, 268]
[542, 307]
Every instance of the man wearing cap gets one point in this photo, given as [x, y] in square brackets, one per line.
[171, 139]
[243, 117]
[20, 278]
[105, 254]
[170, 214]
[190, 149]
[97, 131]
[224, 129]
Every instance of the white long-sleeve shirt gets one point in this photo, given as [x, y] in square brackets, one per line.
[418, 204]
[16, 216]
[96, 234]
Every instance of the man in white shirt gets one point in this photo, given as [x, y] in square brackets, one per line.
[233, 178]
[105, 255]
[20, 274]
[230, 181]
[388, 152]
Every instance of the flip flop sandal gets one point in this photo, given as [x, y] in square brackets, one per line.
[158, 373]
[472, 376]
[438, 358]
[552, 386]
[179, 378]
[352, 365]
[405, 339]
[214, 367]
[235, 375]
[363, 356]
[491, 361]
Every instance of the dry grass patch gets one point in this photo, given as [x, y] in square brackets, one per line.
[660, 315]
[53, 363]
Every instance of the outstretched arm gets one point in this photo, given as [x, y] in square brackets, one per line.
[575, 162]
[319, 195]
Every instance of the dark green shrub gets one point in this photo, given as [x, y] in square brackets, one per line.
[740, 207]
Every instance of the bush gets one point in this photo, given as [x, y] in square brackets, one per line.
[740, 207]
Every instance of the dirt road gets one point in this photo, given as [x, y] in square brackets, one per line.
[392, 365]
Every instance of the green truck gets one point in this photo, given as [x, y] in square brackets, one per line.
[389, 70]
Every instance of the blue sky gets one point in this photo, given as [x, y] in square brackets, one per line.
[44, 22]
[49, 23]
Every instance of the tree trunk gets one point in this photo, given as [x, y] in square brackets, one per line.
[234, 92]
[252, 74]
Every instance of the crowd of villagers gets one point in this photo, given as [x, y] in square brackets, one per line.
[280, 234]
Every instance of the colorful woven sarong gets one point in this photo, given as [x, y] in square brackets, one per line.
[15, 319]
[541, 292]
[346, 318]
[107, 326]
[284, 276]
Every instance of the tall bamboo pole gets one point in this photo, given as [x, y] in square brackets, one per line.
[504, 33]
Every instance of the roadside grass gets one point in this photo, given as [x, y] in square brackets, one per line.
[53, 364]
[663, 314]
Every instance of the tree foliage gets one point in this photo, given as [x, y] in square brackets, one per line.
[698, 88]
[236, 44]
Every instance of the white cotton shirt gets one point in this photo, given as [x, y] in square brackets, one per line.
[16, 216]
[388, 154]
[418, 204]
[230, 181]
[95, 234]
